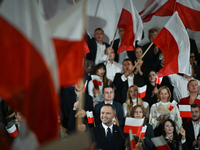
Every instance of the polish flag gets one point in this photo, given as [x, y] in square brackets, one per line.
[160, 143]
[133, 124]
[197, 101]
[174, 43]
[189, 12]
[158, 8]
[185, 110]
[173, 104]
[12, 131]
[96, 80]
[131, 22]
[142, 133]
[142, 91]
[132, 140]
[28, 66]
[158, 80]
[90, 117]
[85, 85]
[67, 33]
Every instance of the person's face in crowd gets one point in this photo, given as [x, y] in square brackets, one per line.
[127, 65]
[168, 127]
[133, 93]
[108, 94]
[79, 86]
[138, 53]
[99, 35]
[193, 86]
[192, 58]
[81, 127]
[195, 114]
[112, 55]
[19, 117]
[101, 72]
[138, 113]
[164, 95]
[121, 32]
[152, 36]
[107, 115]
[152, 76]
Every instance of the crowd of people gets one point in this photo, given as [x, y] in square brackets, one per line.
[117, 97]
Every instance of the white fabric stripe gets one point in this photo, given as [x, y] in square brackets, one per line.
[89, 114]
[193, 4]
[130, 135]
[184, 107]
[178, 31]
[134, 122]
[159, 141]
[142, 89]
[11, 129]
[95, 77]
[174, 103]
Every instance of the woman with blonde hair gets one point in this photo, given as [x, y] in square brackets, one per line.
[132, 100]
[159, 111]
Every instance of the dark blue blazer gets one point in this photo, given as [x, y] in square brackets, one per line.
[118, 139]
[119, 112]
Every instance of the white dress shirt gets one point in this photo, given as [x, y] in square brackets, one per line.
[196, 129]
[100, 52]
[130, 79]
[106, 127]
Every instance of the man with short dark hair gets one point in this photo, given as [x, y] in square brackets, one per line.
[192, 127]
[107, 136]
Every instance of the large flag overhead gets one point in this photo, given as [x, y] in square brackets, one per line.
[174, 43]
[28, 67]
[67, 33]
[131, 22]
[189, 12]
[158, 8]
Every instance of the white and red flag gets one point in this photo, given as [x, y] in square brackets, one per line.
[133, 124]
[174, 43]
[12, 131]
[142, 133]
[67, 34]
[28, 66]
[132, 140]
[185, 111]
[160, 143]
[86, 81]
[96, 80]
[90, 117]
[158, 8]
[131, 22]
[142, 91]
[189, 12]
[158, 80]
[172, 105]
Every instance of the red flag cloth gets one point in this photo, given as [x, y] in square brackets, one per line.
[157, 8]
[12, 131]
[131, 22]
[133, 124]
[172, 105]
[132, 140]
[90, 117]
[96, 80]
[185, 110]
[67, 34]
[28, 67]
[174, 43]
[160, 143]
[189, 12]
[142, 133]
[197, 101]
[142, 91]
[158, 80]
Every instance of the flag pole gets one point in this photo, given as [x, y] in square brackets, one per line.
[74, 2]
[143, 55]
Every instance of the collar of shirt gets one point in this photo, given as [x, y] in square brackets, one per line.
[106, 127]
[108, 103]
[134, 100]
[195, 123]
[100, 44]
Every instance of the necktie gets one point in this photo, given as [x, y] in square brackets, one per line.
[109, 136]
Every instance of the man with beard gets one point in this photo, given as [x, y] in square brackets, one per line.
[192, 127]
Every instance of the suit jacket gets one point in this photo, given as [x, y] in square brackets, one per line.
[93, 48]
[189, 129]
[148, 135]
[119, 112]
[122, 87]
[117, 143]
[68, 104]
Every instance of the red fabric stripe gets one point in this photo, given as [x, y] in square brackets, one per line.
[126, 23]
[170, 107]
[70, 61]
[90, 120]
[95, 82]
[141, 134]
[163, 147]
[185, 113]
[166, 42]
[134, 129]
[132, 143]
[197, 101]
[141, 95]
[14, 134]
[158, 81]
[26, 83]
[189, 17]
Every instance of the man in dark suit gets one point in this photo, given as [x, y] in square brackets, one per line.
[123, 81]
[106, 135]
[108, 95]
[192, 127]
[97, 46]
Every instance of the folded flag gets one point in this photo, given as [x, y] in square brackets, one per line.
[133, 124]
[142, 91]
[142, 133]
[96, 80]
[90, 117]
[173, 104]
[158, 80]
[12, 131]
[185, 110]
[160, 143]
[132, 141]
